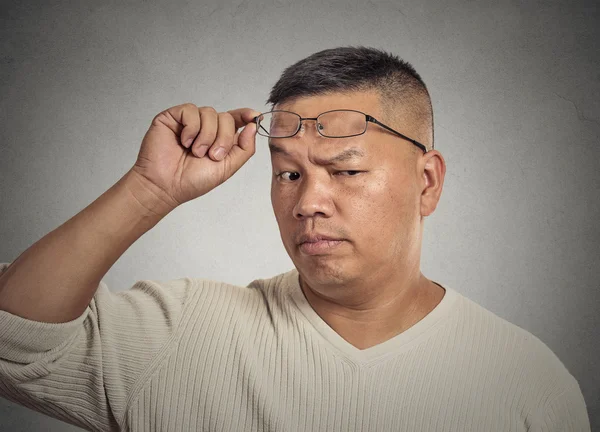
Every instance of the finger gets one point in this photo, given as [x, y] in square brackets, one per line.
[208, 131]
[224, 140]
[187, 116]
[243, 116]
[238, 155]
[247, 139]
[236, 137]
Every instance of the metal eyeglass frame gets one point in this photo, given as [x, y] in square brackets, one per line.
[368, 118]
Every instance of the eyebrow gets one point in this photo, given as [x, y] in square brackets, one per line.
[343, 156]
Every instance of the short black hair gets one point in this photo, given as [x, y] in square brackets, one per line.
[347, 69]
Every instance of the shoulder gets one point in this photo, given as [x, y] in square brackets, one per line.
[277, 285]
[257, 294]
[505, 358]
[521, 343]
[514, 352]
[521, 340]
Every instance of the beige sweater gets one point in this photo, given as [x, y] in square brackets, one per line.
[199, 355]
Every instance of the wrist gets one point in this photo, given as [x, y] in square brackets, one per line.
[152, 200]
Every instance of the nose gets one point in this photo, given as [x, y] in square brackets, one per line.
[314, 199]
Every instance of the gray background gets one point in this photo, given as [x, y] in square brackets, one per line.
[516, 94]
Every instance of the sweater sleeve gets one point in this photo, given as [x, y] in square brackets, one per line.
[86, 371]
[565, 412]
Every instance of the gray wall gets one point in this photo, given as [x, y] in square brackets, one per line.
[516, 93]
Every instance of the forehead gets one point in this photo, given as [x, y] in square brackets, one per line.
[321, 150]
[311, 106]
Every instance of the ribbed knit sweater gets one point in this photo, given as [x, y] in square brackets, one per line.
[200, 355]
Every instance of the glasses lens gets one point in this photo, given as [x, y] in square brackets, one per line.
[342, 123]
[278, 124]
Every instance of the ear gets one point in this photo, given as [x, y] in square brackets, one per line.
[432, 172]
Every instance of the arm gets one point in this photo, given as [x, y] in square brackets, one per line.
[69, 347]
[87, 371]
[54, 280]
[565, 412]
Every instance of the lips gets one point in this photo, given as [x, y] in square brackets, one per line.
[318, 244]
[314, 238]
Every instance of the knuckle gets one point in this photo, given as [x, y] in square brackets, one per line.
[227, 123]
[160, 119]
[228, 120]
[189, 106]
[208, 109]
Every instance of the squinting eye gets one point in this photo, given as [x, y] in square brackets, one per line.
[350, 173]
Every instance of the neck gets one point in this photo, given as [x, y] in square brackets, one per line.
[366, 315]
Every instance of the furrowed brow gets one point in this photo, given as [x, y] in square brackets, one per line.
[276, 149]
[346, 155]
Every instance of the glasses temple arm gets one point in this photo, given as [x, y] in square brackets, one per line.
[417, 143]
[255, 120]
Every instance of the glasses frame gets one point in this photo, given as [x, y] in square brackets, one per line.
[368, 119]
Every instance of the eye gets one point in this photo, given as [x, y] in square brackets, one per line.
[288, 176]
[349, 173]
[292, 176]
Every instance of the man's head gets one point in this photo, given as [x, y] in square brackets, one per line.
[401, 91]
[375, 198]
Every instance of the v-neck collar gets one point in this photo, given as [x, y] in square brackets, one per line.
[400, 342]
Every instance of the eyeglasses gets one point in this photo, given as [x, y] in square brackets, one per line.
[330, 124]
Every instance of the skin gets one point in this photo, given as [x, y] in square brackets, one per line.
[369, 288]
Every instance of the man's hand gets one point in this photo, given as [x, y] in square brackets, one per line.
[188, 151]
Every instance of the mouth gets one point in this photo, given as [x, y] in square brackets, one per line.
[316, 245]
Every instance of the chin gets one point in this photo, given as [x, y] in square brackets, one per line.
[323, 273]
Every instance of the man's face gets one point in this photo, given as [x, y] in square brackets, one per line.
[370, 202]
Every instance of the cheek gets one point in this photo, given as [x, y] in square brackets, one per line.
[282, 206]
[384, 207]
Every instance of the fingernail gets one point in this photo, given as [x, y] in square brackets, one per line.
[188, 143]
[219, 153]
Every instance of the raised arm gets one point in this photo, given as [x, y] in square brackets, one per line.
[54, 280]
[69, 347]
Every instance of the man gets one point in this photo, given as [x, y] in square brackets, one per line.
[354, 338]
